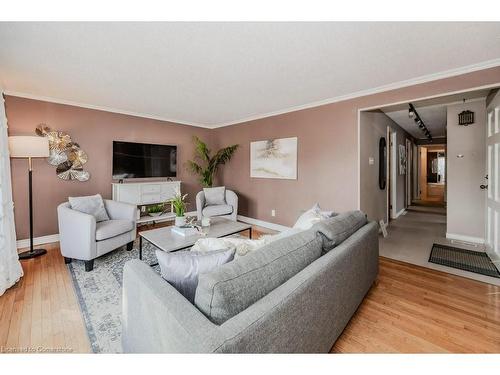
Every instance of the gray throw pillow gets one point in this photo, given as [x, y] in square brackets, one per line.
[92, 205]
[226, 291]
[337, 229]
[215, 196]
[181, 269]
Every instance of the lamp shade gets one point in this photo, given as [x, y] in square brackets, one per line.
[24, 146]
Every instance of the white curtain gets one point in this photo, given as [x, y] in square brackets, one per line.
[10, 267]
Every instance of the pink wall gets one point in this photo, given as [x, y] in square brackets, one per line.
[327, 163]
[94, 131]
[327, 151]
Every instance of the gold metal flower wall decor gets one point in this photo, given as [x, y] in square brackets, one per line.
[65, 155]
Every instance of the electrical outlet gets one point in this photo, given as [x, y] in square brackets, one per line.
[273, 213]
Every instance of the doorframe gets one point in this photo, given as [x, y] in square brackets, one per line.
[388, 174]
[408, 176]
[491, 239]
[393, 174]
[382, 105]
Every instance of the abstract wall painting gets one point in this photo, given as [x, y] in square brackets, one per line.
[274, 158]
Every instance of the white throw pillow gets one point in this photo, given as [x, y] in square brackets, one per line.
[215, 196]
[92, 205]
[311, 217]
[181, 269]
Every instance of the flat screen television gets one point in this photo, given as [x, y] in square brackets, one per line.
[142, 160]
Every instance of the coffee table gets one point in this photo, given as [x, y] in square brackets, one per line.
[165, 240]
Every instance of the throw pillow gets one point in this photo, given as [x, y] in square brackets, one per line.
[311, 217]
[337, 229]
[325, 214]
[215, 196]
[181, 269]
[92, 205]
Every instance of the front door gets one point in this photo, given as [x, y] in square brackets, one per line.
[492, 180]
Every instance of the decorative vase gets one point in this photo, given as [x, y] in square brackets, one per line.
[180, 221]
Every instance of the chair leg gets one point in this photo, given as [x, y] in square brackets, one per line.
[89, 265]
[130, 246]
[67, 260]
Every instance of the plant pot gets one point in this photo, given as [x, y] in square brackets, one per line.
[154, 214]
[180, 221]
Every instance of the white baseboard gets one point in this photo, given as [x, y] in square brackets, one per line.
[55, 237]
[38, 240]
[264, 224]
[460, 237]
[398, 214]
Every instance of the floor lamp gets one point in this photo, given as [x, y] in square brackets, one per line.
[29, 147]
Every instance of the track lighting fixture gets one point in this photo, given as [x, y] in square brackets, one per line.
[412, 113]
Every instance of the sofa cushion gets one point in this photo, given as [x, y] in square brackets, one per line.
[233, 287]
[337, 229]
[181, 269]
[91, 204]
[223, 209]
[215, 196]
[111, 228]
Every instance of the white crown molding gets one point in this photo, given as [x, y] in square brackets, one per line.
[392, 86]
[101, 108]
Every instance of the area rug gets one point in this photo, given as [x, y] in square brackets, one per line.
[467, 260]
[99, 294]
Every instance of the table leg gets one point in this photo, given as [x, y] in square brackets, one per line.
[140, 247]
[250, 230]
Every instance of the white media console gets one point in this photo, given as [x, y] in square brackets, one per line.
[145, 193]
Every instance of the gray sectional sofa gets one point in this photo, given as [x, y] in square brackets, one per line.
[293, 295]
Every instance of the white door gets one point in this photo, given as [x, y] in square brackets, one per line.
[492, 180]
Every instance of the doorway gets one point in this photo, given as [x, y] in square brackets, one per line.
[431, 172]
[436, 197]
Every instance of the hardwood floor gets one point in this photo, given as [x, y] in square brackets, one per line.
[41, 313]
[409, 310]
[413, 309]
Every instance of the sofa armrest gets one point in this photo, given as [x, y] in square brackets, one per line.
[325, 294]
[76, 233]
[158, 319]
[200, 204]
[120, 210]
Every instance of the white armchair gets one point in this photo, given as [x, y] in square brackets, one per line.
[80, 237]
[228, 210]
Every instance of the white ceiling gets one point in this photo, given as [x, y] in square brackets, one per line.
[434, 118]
[213, 74]
[431, 111]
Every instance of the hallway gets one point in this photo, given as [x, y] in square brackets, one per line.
[411, 236]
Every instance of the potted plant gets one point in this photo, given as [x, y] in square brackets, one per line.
[156, 209]
[209, 164]
[179, 207]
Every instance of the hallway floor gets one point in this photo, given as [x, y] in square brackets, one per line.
[411, 236]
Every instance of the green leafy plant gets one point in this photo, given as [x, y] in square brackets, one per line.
[205, 165]
[178, 203]
[156, 208]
